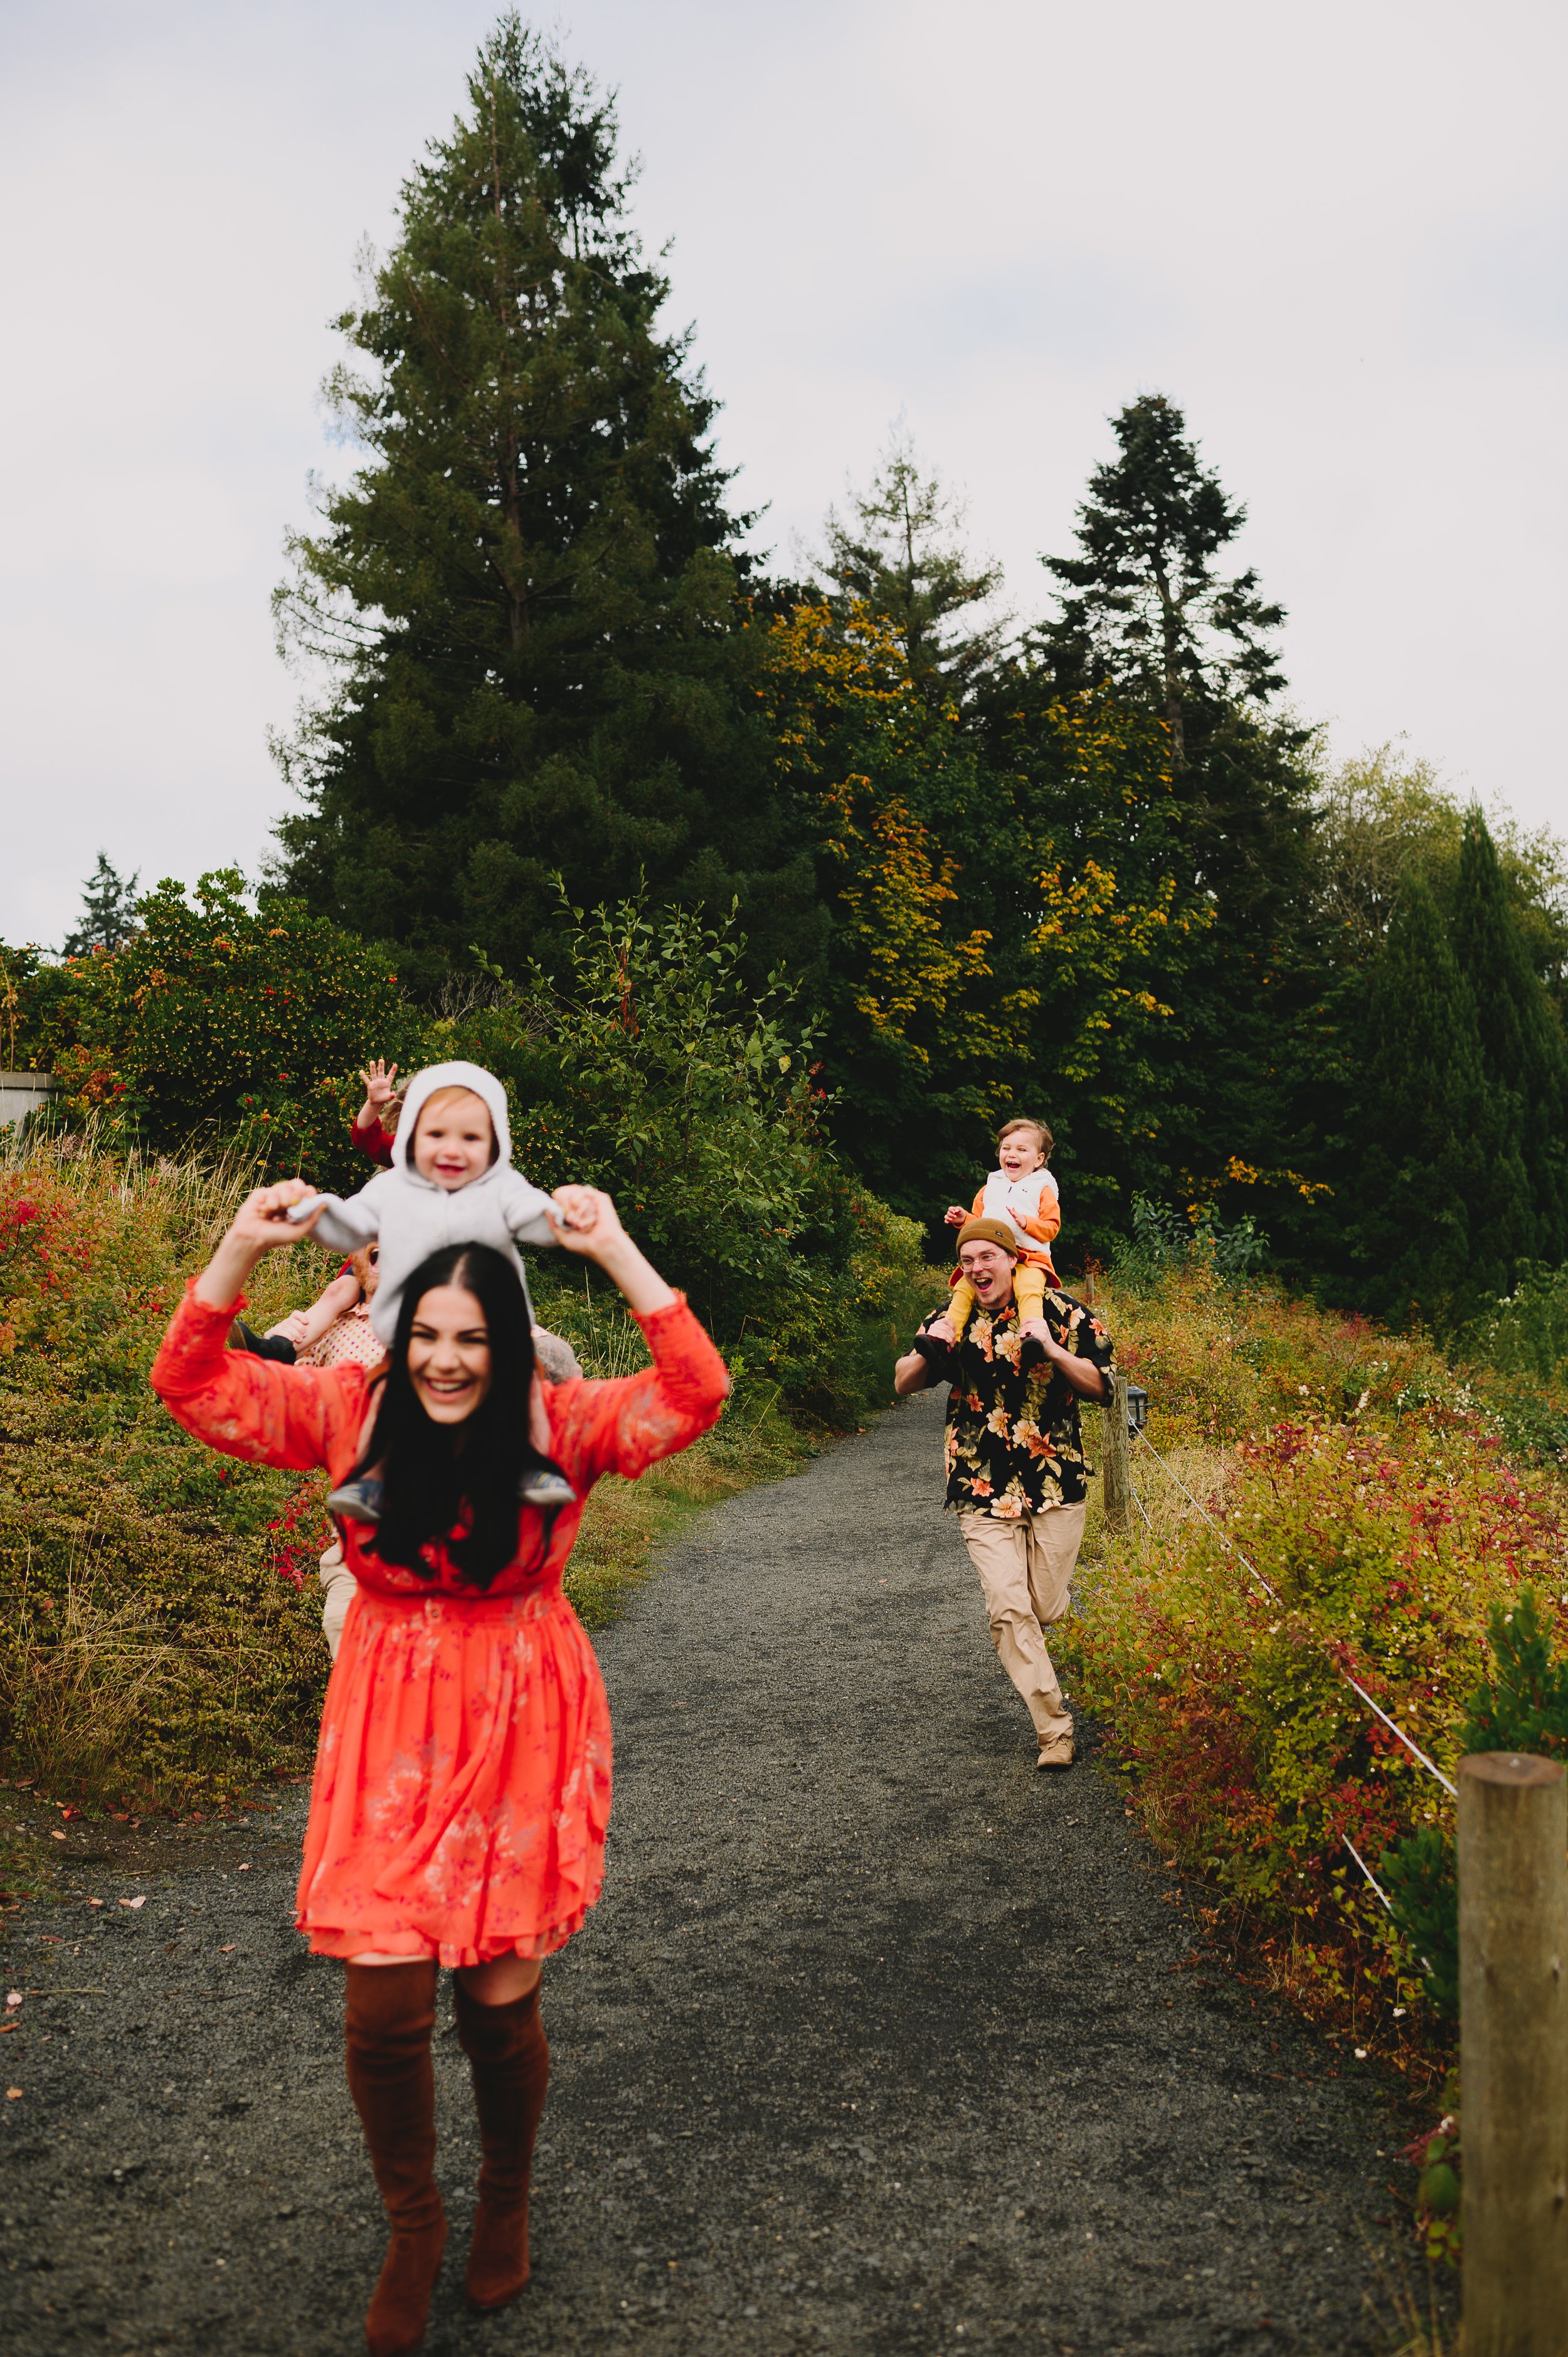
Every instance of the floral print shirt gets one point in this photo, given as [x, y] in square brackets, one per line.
[1014, 1440]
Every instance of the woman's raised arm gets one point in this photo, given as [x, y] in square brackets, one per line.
[243, 1405]
[626, 1425]
[262, 1224]
[590, 1227]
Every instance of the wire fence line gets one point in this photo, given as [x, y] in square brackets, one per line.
[1392, 1725]
[1367, 1870]
[1226, 1540]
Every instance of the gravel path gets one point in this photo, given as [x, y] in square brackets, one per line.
[878, 2041]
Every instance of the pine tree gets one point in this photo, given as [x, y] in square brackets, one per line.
[1236, 1093]
[1441, 1201]
[108, 911]
[529, 589]
[1521, 1041]
[1149, 608]
[900, 555]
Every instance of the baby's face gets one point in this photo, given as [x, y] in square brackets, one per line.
[1019, 1153]
[453, 1142]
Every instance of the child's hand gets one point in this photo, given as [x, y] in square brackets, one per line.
[588, 1221]
[579, 1208]
[377, 1078]
[262, 1223]
[955, 1215]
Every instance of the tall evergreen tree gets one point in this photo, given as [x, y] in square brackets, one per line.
[1521, 1040]
[1441, 1214]
[1148, 608]
[1240, 1071]
[529, 588]
[108, 916]
[900, 554]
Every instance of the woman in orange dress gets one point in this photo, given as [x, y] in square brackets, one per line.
[462, 1780]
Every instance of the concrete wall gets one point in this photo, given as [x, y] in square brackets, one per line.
[22, 1093]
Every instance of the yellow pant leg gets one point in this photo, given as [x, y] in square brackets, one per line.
[1029, 1291]
[961, 1308]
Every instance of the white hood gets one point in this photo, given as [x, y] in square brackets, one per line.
[423, 1086]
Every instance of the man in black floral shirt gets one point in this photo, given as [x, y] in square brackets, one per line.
[1017, 1476]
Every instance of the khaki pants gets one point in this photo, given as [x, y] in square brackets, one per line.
[340, 1584]
[1025, 1568]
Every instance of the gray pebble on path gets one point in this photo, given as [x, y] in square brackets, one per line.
[878, 2041]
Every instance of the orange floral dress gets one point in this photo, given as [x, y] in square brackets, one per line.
[462, 1783]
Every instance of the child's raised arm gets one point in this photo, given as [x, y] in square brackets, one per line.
[378, 1078]
[345, 1226]
[307, 1325]
[370, 1132]
[531, 1216]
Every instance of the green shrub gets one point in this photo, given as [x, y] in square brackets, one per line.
[645, 1064]
[32, 985]
[1527, 1331]
[1165, 1239]
[1419, 1877]
[1522, 1705]
[220, 1023]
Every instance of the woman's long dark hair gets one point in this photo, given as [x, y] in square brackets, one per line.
[430, 1472]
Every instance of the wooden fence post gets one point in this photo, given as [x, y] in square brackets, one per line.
[1118, 1458]
[1513, 2053]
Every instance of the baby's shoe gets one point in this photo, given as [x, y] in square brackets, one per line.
[548, 1489]
[934, 1351]
[358, 1501]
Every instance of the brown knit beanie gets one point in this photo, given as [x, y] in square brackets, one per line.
[989, 1232]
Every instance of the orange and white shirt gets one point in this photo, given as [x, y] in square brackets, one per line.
[1032, 1208]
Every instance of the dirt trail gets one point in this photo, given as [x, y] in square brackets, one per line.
[878, 2041]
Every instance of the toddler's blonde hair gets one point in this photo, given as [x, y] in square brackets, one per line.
[1025, 1121]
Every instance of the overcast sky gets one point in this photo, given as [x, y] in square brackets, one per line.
[1335, 236]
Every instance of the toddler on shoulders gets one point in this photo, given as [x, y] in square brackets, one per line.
[451, 1183]
[1023, 1194]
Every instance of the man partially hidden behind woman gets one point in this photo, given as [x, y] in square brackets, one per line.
[462, 1782]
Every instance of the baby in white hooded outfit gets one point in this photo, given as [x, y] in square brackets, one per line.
[451, 1183]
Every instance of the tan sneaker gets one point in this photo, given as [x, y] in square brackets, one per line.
[1057, 1753]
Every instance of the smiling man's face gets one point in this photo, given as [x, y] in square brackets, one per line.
[990, 1270]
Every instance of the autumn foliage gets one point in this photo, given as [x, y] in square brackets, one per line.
[1367, 1520]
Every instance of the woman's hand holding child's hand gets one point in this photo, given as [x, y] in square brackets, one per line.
[262, 1218]
[262, 1224]
[590, 1226]
[580, 1208]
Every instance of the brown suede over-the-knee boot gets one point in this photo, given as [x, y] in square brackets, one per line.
[388, 2018]
[506, 2049]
